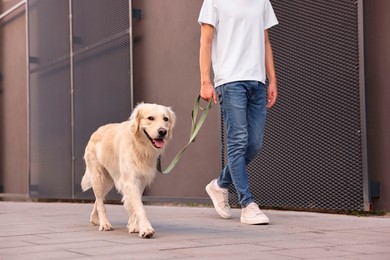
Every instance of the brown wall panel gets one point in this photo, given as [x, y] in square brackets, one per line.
[7, 4]
[13, 104]
[377, 42]
[166, 71]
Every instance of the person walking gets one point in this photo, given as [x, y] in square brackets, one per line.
[234, 41]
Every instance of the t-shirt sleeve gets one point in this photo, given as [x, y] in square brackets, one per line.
[208, 13]
[269, 16]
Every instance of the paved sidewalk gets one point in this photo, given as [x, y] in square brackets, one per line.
[31, 230]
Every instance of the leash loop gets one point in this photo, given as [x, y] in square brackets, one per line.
[195, 127]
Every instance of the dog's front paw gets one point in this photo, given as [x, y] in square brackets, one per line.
[105, 227]
[147, 233]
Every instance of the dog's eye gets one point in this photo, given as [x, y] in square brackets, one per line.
[151, 118]
[165, 119]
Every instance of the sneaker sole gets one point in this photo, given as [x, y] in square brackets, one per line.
[215, 203]
[252, 222]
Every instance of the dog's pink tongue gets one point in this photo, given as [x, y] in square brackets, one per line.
[159, 143]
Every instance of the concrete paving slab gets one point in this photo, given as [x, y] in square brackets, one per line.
[31, 230]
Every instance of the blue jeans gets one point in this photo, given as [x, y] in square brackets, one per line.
[243, 105]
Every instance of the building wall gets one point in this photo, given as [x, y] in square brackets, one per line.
[377, 42]
[13, 102]
[166, 71]
[171, 26]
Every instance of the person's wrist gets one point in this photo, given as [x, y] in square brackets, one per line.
[272, 83]
[205, 81]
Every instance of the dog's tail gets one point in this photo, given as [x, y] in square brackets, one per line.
[86, 181]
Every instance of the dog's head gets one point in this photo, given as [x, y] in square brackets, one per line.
[153, 122]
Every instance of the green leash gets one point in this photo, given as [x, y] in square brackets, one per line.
[196, 125]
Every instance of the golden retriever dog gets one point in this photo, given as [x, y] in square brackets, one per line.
[125, 155]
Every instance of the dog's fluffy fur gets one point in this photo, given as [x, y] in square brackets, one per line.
[125, 154]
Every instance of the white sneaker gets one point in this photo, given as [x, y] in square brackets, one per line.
[220, 199]
[252, 215]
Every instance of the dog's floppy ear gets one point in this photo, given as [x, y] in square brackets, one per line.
[172, 116]
[135, 118]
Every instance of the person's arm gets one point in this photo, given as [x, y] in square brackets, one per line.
[207, 91]
[270, 69]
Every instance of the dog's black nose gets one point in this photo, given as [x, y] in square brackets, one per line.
[162, 132]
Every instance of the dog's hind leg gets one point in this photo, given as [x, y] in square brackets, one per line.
[94, 215]
[102, 183]
[132, 224]
[85, 185]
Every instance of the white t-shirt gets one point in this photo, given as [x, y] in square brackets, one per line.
[238, 51]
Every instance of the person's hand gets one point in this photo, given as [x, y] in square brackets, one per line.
[207, 92]
[272, 94]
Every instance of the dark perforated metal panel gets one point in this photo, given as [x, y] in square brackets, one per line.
[80, 79]
[101, 72]
[312, 155]
[49, 100]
